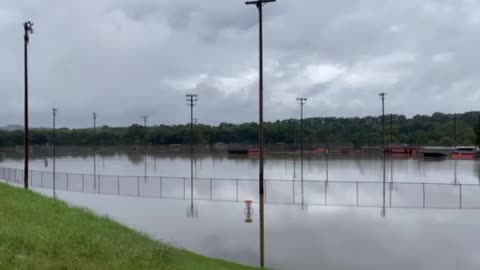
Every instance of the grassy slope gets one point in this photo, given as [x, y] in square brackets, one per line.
[40, 233]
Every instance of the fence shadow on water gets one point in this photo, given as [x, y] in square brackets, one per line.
[308, 192]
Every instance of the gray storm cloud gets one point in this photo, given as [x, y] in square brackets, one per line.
[124, 59]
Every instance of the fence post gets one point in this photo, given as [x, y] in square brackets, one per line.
[184, 187]
[118, 184]
[83, 183]
[237, 190]
[326, 186]
[460, 186]
[423, 184]
[265, 189]
[357, 194]
[161, 190]
[41, 179]
[138, 186]
[391, 189]
[293, 191]
[99, 184]
[67, 181]
[211, 196]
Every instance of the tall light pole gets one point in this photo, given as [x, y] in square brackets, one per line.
[192, 100]
[301, 101]
[95, 115]
[28, 27]
[54, 112]
[259, 4]
[382, 96]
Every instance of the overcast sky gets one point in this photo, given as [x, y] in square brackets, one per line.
[127, 58]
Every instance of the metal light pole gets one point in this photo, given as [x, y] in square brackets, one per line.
[95, 151]
[192, 100]
[382, 95]
[28, 27]
[54, 112]
[259, 4]
[302, 102]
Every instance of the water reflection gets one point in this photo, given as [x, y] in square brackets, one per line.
[279, 167]
[330, 238]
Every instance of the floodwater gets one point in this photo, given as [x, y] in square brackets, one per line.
[308, 236]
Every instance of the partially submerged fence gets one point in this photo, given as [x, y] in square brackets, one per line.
[308, 192]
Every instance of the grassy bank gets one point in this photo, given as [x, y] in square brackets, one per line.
[41, 233]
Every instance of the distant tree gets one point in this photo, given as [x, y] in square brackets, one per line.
[476, 129]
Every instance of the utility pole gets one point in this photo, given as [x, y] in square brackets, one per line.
[259, 4]
[28, 27]
[54, 112]
[95, 115]
[192, 100]
[382, 95]
[302, 102]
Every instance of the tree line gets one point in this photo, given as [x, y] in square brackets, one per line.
[437, 129]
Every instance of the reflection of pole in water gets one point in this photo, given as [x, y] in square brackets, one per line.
[145, 119]
[145, 166]
[195, 121]
[382, 95]
[94, 171]
[95, 151]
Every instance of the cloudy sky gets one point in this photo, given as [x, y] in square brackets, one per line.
[127, 58]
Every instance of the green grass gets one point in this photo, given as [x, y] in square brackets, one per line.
[37, 232]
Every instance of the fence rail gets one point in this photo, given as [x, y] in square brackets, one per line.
[307, 192]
